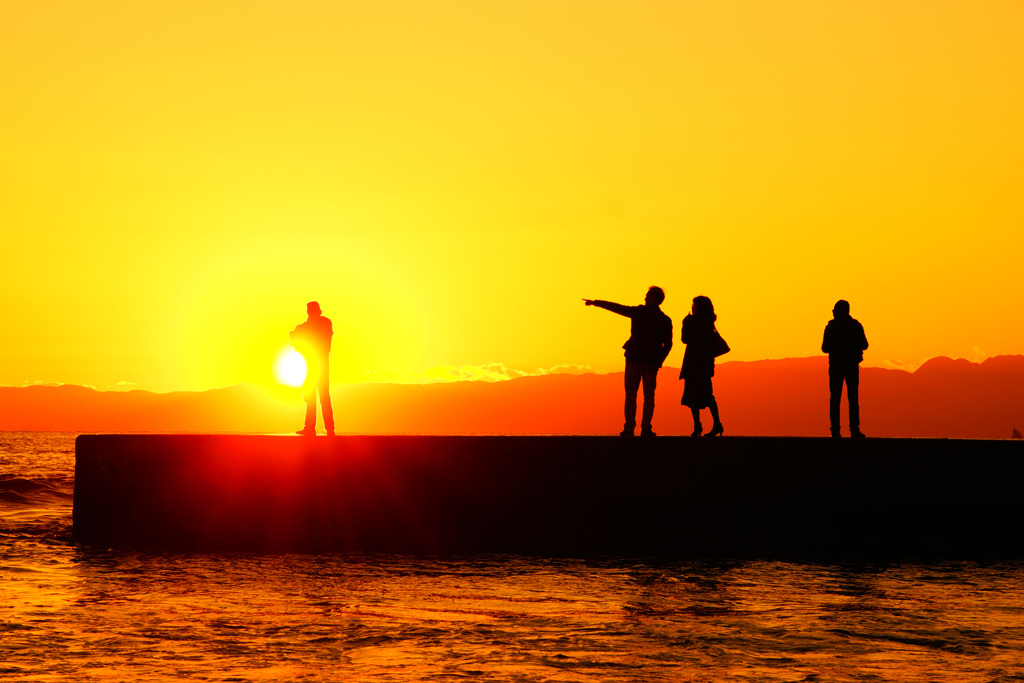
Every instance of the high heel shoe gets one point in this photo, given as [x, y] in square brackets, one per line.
[716, 429]
[697, 429]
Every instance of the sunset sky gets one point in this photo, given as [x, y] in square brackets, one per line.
[449, 179]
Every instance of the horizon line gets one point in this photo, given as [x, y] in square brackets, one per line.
[478, 373]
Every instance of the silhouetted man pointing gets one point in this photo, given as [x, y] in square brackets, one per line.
[313, 340]
[648, 345]
[844, 343]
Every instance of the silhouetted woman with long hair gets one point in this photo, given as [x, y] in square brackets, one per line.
[701, 339]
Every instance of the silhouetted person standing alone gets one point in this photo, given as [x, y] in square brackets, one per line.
[313, 340]
[649, 342]
[703, 344]
[844, 343]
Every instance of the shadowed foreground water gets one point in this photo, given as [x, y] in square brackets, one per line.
[69, 613]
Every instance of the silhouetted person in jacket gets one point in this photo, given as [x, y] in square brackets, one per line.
[649, 342]
[313, 340]
[844, 343]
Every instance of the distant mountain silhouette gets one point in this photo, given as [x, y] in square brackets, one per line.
[82, 409]
[788, 397]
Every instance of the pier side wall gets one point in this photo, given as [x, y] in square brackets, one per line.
[558, 495]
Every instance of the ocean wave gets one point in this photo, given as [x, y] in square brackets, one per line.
[12, 486]
[30, 506]
[49, 529]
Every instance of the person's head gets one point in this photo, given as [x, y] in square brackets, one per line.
[703, 308]
[313, 309]
[655, 296]
[841, 309]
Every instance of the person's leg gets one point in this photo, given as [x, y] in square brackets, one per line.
[325, 403]
[632, 385]
[650, 382]
[697, 428]
[853, 398]
[309, 395]
[713, 407]
[835, 389]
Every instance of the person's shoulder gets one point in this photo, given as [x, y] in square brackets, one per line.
[852, 324]
[652, 313]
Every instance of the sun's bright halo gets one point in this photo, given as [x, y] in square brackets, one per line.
[290, 367]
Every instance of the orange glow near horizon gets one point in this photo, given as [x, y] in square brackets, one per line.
[450, 179]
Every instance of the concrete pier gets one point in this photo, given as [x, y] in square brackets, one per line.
[558, 495]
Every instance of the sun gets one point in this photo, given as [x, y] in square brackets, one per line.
[290, 367]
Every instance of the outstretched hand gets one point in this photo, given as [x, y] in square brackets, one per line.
[589, 302]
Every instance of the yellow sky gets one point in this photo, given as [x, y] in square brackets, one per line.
[449, 179]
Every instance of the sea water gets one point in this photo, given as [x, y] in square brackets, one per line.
[85, 614]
